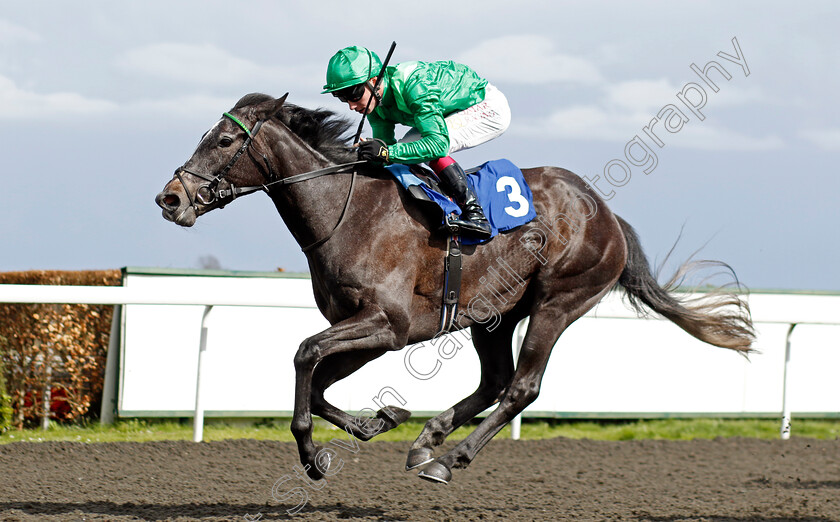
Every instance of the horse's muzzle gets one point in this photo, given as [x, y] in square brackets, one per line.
[175, 209]
[168, 201]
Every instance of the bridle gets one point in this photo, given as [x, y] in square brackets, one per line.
[209, 193]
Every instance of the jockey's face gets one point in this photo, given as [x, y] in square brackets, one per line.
[360, 104]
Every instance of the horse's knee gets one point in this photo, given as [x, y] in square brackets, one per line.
[307, 356]
[300, 427]
[392, 328]
[521, 394]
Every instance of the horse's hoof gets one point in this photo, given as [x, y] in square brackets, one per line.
[326, 464]
[436, 472]
[418, 457]
[312, 472]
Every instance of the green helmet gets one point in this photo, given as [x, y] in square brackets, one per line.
[351, 66]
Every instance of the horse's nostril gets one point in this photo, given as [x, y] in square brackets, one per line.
[168, 201]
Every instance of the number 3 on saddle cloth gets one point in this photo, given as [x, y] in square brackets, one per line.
[501, 189]
[504, 196]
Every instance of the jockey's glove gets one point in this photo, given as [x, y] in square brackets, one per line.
[373, 150]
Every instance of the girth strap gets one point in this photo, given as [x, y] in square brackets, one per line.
[451, 284]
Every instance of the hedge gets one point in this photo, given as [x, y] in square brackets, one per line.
[54, 352]
[5, 400]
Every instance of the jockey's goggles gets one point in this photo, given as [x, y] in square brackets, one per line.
[353, 93]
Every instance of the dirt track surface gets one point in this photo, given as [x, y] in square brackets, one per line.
[558, 479]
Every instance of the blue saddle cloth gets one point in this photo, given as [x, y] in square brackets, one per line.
[501, 189]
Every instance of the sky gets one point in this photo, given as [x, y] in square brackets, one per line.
[101, 101]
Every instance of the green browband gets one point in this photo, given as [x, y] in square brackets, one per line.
[236, 120]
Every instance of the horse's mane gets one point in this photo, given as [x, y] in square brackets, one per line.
[322, 129]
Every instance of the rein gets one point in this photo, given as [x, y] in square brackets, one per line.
[209, 192]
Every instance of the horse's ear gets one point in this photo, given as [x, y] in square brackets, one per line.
[270, 108]
[278, 103]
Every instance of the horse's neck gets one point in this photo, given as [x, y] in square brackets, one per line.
[309, 208]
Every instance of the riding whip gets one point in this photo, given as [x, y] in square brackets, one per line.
[375, 90]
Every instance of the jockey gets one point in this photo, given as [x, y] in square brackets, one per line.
[446, 104]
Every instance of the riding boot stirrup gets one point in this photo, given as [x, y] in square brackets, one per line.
[472, 220]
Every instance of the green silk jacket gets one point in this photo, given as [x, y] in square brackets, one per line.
[420, 95]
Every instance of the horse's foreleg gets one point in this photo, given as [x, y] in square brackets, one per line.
[336, 367]
[370, 329]
[496, 358]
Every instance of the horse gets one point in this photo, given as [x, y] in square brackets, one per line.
[376, 262]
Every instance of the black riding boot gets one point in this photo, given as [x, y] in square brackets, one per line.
[472, 221]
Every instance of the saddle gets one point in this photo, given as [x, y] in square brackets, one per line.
[501, 189]
[504, 196]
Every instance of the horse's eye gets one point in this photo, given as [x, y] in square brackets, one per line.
[225, 142]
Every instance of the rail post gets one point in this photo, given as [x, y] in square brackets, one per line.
[198, 418]
[785, 430]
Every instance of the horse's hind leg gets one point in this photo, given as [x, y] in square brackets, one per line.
[544, 329]
[495, 355]
[336, 367]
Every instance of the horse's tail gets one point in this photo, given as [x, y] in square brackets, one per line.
[719, 317]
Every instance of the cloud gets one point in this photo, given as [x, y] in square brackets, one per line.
[651, 95]
[189, 106]
[703, 136]
[615, 123]
[14, 33]
[732, 95]
[21, 104]
[625, 108]
[206, 64]
[640, 95]
[528, 59]
[826, 139]
[581, 122]
[17, 103]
